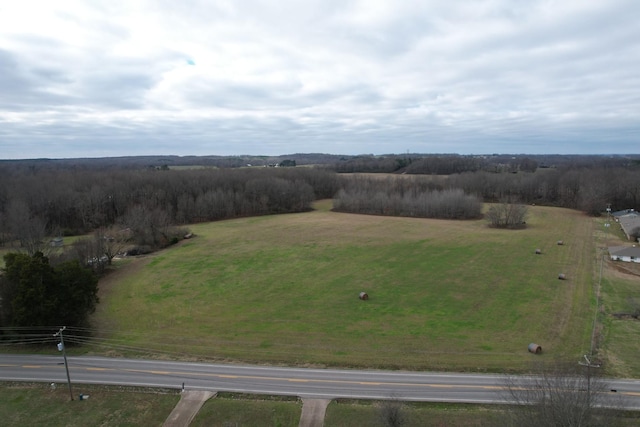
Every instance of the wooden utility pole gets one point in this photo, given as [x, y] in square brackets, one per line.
[64, 355]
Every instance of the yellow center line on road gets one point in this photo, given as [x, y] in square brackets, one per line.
[299, 380]
[484, 387]
[319, 381]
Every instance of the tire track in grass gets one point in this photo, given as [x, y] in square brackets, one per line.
[571, 322]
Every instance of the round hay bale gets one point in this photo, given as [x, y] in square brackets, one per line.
[560, 243]
[538, 251]
[535, 348]
[561, 276]
[364, 296]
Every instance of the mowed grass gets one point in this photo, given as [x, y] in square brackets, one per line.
[344, 413]
[284, 289]
[39, 405]
[248, 410]
[620, 287]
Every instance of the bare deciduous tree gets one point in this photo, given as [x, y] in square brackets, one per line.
[565, 394]
[89, 252]
[392, 413]
[111, 241]
[29, 230]
[507, 215]
[4, 230]
[400, 198]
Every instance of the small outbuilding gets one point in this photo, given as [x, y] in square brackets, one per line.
[625, 253]
[629, 221]
[56, 242]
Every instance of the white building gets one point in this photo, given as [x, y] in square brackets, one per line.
[625, 253]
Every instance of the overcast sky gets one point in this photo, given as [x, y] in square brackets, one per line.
[116, 78]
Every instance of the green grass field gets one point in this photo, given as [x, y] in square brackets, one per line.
[443, 295]
[39, 405]
[123, 406]
[452, 295]
[620, 334]
[228, 409]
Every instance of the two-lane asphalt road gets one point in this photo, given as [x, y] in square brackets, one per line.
[306, 383]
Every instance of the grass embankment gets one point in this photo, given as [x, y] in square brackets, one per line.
[443, 294]
[39, 405]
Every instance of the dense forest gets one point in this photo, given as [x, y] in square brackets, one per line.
[149, 198]
[67, 201]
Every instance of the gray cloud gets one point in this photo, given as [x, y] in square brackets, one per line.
[111, 78]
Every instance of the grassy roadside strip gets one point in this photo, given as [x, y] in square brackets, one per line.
[38, 404]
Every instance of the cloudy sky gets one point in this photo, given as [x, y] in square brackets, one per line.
[115, 78]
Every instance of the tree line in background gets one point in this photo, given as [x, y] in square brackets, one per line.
[590, 189]
[154, 204]
[448, 164]
[147, 202]
[587, 183]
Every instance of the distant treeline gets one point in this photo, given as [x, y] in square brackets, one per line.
[448, 164]
[589, 189]
[40, 198]
[412, 163]
[168, 162]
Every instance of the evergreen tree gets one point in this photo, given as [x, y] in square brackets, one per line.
[35, 294]
[76, 293]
